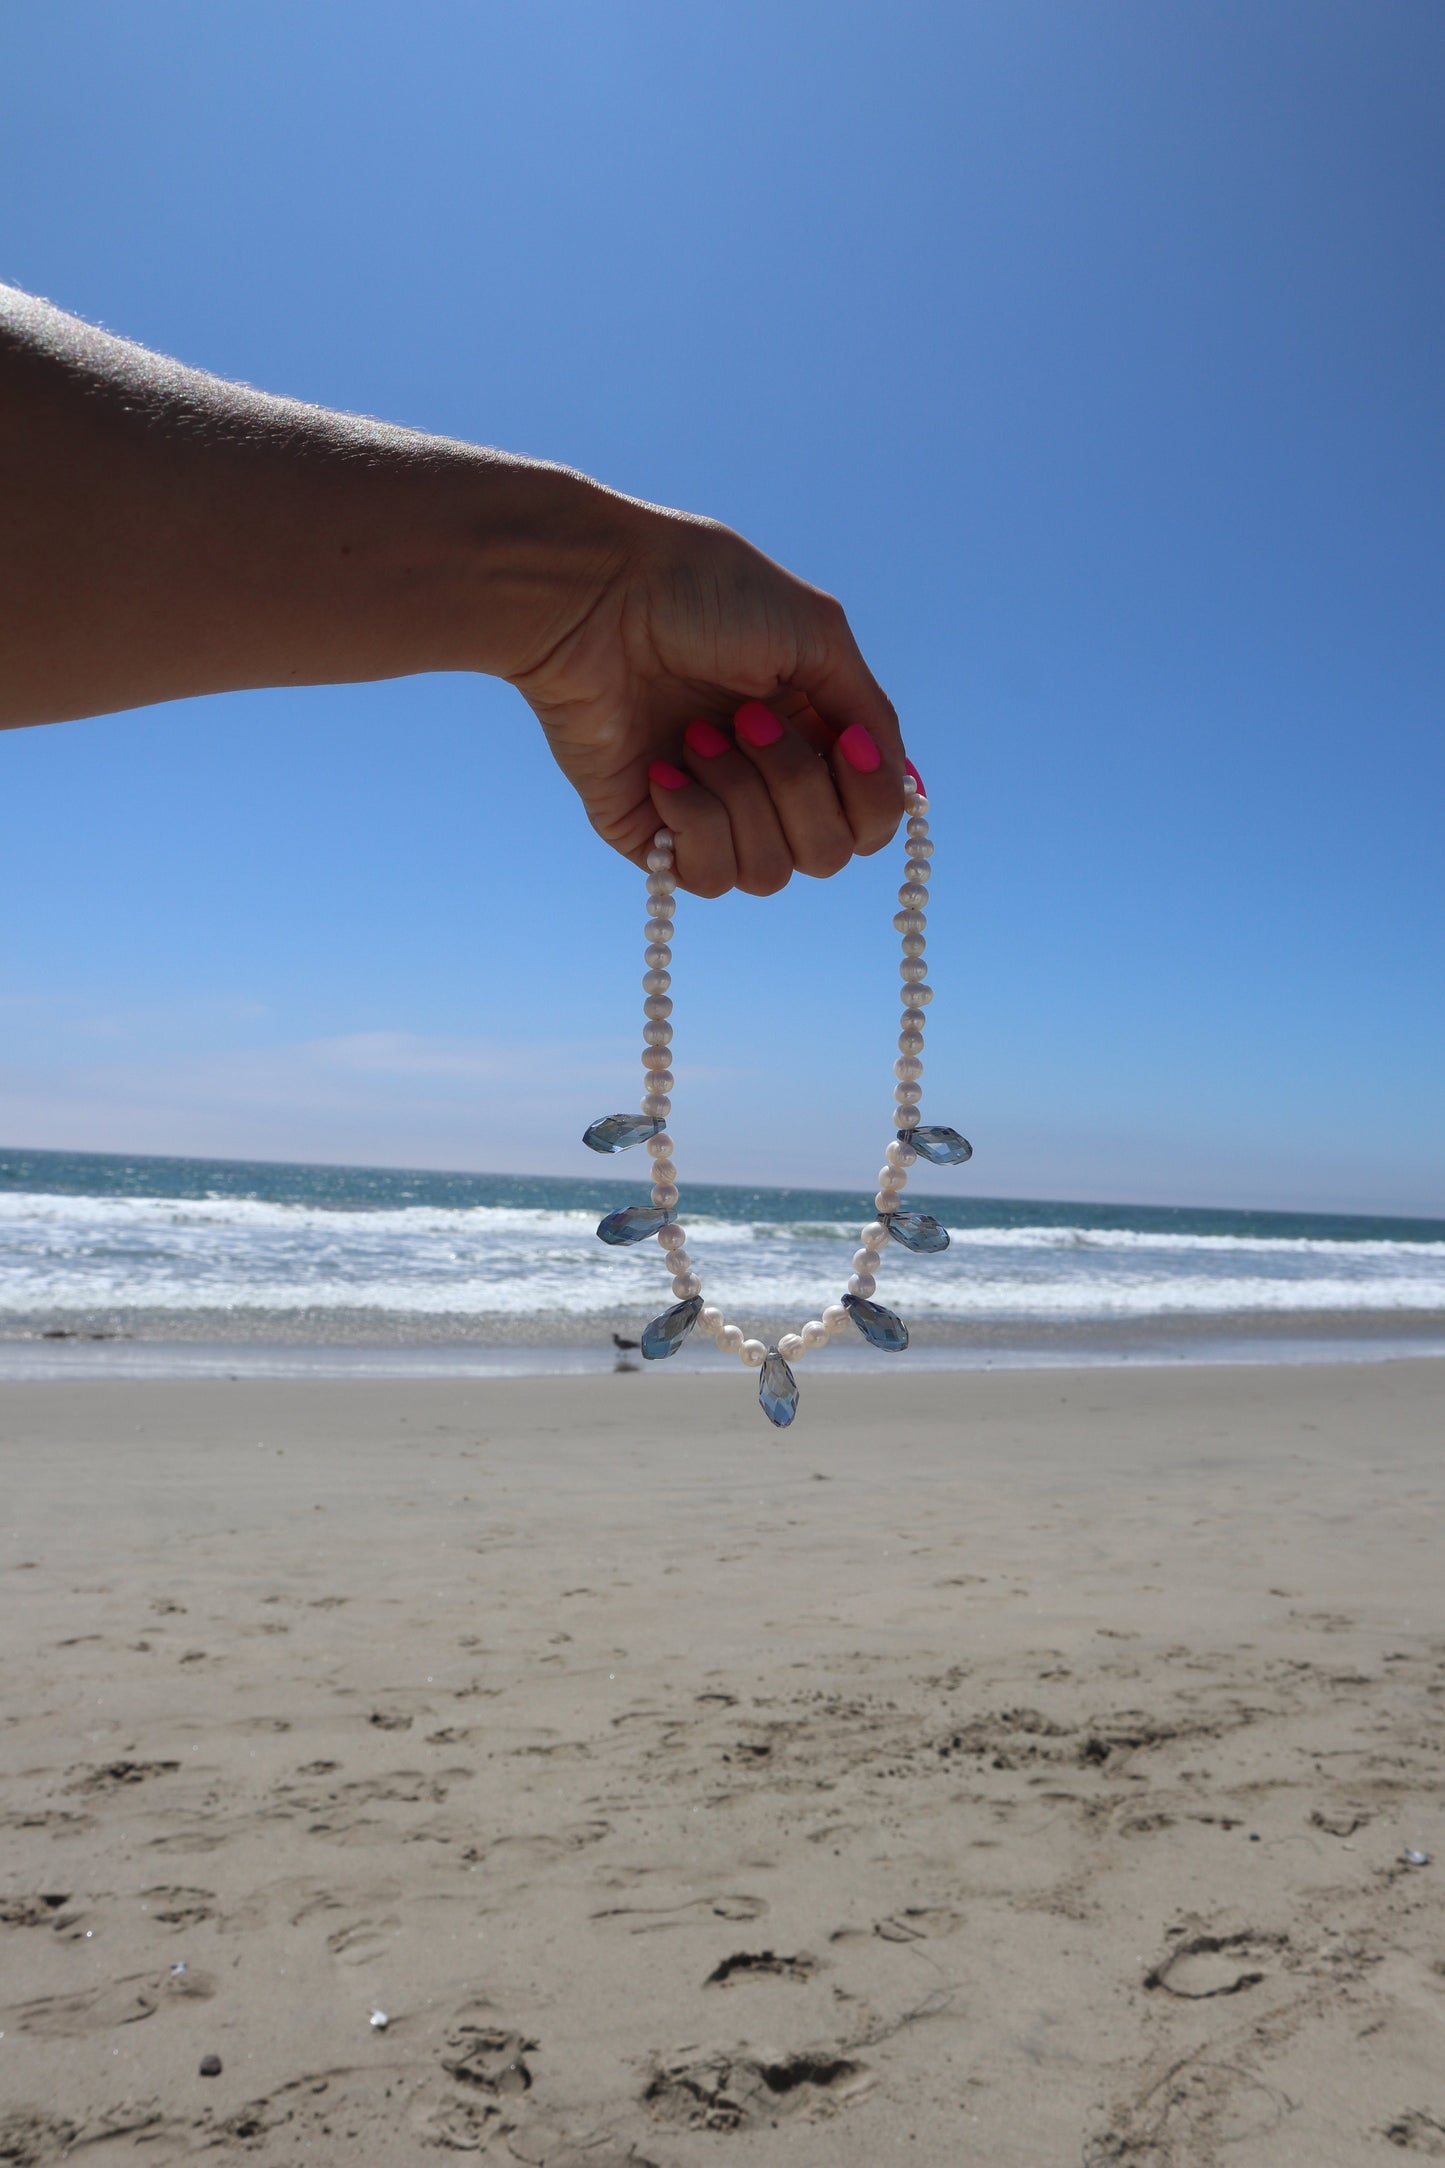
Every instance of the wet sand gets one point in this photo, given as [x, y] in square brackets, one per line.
[1012, 1768]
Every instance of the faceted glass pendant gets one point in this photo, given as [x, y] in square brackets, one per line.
[916, 1231]
[944, 1147]
[619, 1132]
[665, 1335]
[777, 1390]
[634, 1223]
[877, 1325]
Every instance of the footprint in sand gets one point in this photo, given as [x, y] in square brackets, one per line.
[1413, 2132]
[739, 2092]
[1205, 1965]
[761, 1965]
[101, 2009]
[690, 1912]
[483, 2055]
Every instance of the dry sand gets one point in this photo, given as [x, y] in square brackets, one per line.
[1001, 1768]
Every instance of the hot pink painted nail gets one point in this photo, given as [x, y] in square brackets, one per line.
[666, 777]
[705, 739]
[918, 779]
[858, 749]
[756, 725]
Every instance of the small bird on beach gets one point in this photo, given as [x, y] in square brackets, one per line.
[625, 1347]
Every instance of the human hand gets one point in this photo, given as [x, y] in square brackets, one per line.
[686, 629]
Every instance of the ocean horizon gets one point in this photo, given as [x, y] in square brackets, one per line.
[106, 1259]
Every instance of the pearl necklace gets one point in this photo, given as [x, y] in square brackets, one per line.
[777, 1390]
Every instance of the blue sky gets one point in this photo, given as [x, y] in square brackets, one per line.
[1091, 354]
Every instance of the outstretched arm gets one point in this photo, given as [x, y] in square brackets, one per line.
[163, 533]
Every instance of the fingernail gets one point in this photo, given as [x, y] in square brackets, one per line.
[757, 725]
[663, 773]
[705, 739]
[858, 749]
[918, 779]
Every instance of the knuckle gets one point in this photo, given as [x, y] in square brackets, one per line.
[766, 881]
[822, 860]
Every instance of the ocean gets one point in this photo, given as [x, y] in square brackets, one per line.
[111, 1263]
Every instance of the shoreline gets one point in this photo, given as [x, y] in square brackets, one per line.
[341, 1344]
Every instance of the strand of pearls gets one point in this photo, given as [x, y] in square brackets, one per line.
[658, 1080]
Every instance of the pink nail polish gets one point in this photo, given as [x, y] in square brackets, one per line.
[666, 777]
[756, 725]
[918, 779]
[858, 749]
[705, 739]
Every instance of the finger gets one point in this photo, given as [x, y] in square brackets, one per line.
[760, 849]
[869, 786]
[801, 788]
[703, 844]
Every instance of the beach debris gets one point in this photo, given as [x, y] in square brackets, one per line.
[1411, 1858]
[210, 2066]
[379, 2021]
[177, 1969]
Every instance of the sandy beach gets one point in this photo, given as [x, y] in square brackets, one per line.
[1015, 1768]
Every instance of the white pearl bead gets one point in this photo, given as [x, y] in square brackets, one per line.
[908, 1068]
[710, 1319]
[866, 1260]
[657, 1034]
[835, 1317]
[913, 967]
[664, 1194]
[656, 1057]
[814, 1333]
[661, 883]
[914, 944]
[912, 895]
[892, 1178]
[919, 846]
[656, 982]
[671, 1237]
[792, 1345]
[657, 1006]
[900, 1155]
[875, 1234]
[753, 1352]
[730, 1339]
[659, 860]
[656, 1103]
[664, 1170]
[663, 840]
[905, 1117]
[907, 1095]
[663, 906]
[862, 1283]
[662, 1080]
[657, 956]
[920, 993]
[917, 869]
[661, 1146]
[658, 929]
[911, 1020]
[909, 922]
[910, 1042]
[685, 1284]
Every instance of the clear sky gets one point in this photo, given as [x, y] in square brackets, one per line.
[1092, 354]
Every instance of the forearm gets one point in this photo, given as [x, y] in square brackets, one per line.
[163, 533]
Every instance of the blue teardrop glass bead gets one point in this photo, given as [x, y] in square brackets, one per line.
[917, 1231]
[619, 1132]
[665, 1335]
[943, 1147]
[634, 1223]
[777, 1390]
[877, 1325]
